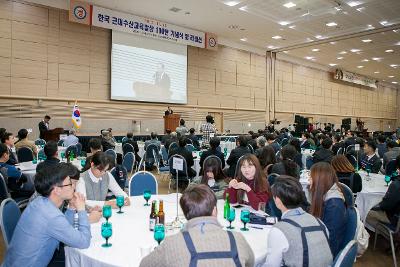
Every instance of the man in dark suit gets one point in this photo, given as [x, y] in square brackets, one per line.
[8, 140]
[337, 144]
[271, 139]
[370, 159]
[181, 150]
[44, 126]
[51, 152]
[214, 144]
[325, 153]
[236, 153]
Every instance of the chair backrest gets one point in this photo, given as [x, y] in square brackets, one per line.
[189, 141]
[271, 178]
[129, 161]
[190, 147]
[348, 195]
[182, 174]
[284, 142]
[340, 151]
[79, 148]
[164, 154]
[71, 149]
[212, 157]
[346, 257]
[231, 139]
[349, 147]
[9, 216]
[40, 142]
[127, 148]
[4, 193]
[250, 147]
[351, 226]
[172, 146]
[60, 142]
[352, 160]
[124, 139]
[237, 167]
[120, 174]
[141, 181]
[111, 153]
[24, 154]
[390, 167]
[150, 152]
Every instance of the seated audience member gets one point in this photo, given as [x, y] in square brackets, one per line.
[71, 139]
[193, 137]
[8, 139]
[271, 140]
[181, 150]
[153, 140]
[250, 186]
[181, 130]
[328, 203]
[305, 143]
[13, 177]
[381, 145]
[349, 139]
[96, 181]
[166, 136]
[388, 209]
[214, 177]
[107, 141]
[285, 242]
[325, 153]
[129, 140]
[370, 160]
[173, 139]
[240, 150]
[95, 146]
[214, 144]
[337, 143]
[298, 158]
[42, 226]
[252, 140]
[392, 153]
[23, 141]
[287, 165]
[260, 145]
[346, 173]
[267, 159]
[203, 241]
[51, 152]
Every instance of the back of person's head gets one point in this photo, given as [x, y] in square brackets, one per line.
[307, 135]
[182, 141]
[327, 143]
[47, 117]
[72, 132]
[22, 134]
[243, 140]
[168, 131]
[254, 135]
[129, 135]
[3, 149]
[197, 201]
[192, 130]
[51, 176]
[341, 164]
[214, 142]
[267, 156]
[95, 144]
[209, 119]
[5, 137]
[153, 135]
[371, 143]
[392, 144]
[337, 138]
[2, 131]
[296, 143]
[100, 161]
[381, 139]
[50, 149]
[289, 190]
[212, 165]
[182, 122]
[288, 155]
[360, 141]
[261, 141]
[288, 152]
[270, 137]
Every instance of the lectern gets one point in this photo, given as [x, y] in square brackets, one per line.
[171, 122]
[53, 135]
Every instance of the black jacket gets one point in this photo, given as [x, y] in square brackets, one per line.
[374, 163]
[209, 153]
[391, 201]
[322, 154]
[12, 159]
[344, 177]
[42, 129]
[336, 147]
[234, 158]
[195, 140]
[46, 163]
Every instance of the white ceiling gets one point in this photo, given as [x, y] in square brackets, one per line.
[305, 27]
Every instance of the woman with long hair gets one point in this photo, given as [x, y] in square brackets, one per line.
[267, 158]
[250, 186]
[346, 173]
[328, 203]
[287, 165]
[214, 177]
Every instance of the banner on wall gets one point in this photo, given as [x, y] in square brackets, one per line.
[119, 21]
[347, 76]
[80, 12]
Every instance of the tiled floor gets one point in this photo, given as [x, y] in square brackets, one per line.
[371, 258]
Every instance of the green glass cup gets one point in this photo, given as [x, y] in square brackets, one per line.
[245, 218]
[120, 203]
[34, 161]
[231, 218]
[107, 212]
[106, 232]
[147, 196]
[387, 180]
[159, 233]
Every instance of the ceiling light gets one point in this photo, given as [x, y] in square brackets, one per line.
[360, 67]
[284, 23]
[360, 9]
[376, 72]
[285, 51]
[309, 40]
[331, 24]
[339, 58]
[289, 5]
[292, 26]
[276, 37]
[398, 43]
[271, 47]
[376, 58]
[343, 52]
[389, 51]
[366, 40]
[390, 76]
[394, 82]
[332, 43]
[309, 58]
[394, 65]
[354, 3]
[383, 22]
[370, 27]
[355, 50]
[319, 37]
[332, 64]
[338, 8]
[243, 39]
[243, 8]
[315, 50]
[364, 60]
[231, 3]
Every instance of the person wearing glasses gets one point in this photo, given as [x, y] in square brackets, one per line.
[96, 181]
[42, 226]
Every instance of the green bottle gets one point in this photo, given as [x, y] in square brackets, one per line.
[227, 207]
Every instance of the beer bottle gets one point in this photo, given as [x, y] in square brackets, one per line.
[153, 216]
[227, 207]
[161, 215]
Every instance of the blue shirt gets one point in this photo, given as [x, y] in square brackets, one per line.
[12, 171]
[70, 140]
[39, 231]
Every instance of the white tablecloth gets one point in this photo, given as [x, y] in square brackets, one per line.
[131, 233]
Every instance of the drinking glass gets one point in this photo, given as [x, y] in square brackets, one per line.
[83, 162]
[245, 218]
[106, 232]
[107, 212]
[368, 170]
[387, 180]
[159, 233]
[120, 203]
[62, 155]
[34, 161]
[231, 218]
[147, 196]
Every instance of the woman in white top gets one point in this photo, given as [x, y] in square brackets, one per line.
[96, 181]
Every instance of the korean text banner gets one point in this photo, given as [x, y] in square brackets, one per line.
[111, 19]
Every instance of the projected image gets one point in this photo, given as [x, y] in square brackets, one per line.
[142, 74]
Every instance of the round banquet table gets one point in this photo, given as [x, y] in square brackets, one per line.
[131, 233]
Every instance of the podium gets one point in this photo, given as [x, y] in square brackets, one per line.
[171, 122]
[53, 135]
